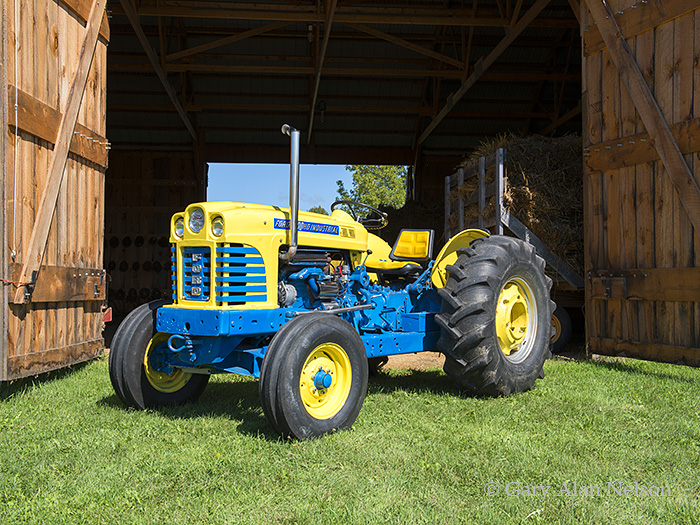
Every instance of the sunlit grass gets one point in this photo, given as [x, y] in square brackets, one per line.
[419, 452]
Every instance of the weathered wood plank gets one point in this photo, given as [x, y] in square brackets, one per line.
[647, 284]
[34, 251]
[643, 18]
[649, 110]
[42, 121]
[650, 351]
[4, 173]
[644, 195]
[39, 362]
[82, 9]
[638, 148]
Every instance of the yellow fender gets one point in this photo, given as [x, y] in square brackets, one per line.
[448, 254]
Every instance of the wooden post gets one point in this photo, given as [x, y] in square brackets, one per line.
[460, 199]
[447, 208]
[500, 177]
[37, 243]
[3, 214]
[657, 127]
[482, 191]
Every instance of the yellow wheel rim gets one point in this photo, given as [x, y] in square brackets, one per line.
[325, 380]
[516, 319]
[556, 329]
[166, 383]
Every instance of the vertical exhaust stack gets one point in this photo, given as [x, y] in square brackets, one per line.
[293, 191]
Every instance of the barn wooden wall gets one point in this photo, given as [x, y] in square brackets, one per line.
[62, 322]
[643, 254]
[143, 191]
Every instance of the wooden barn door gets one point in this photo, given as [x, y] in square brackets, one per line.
[54, 155]
[642, 169]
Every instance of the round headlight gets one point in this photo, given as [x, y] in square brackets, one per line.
[196, 220]
[180, 227]
[217, 226]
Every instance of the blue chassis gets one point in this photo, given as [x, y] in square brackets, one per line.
[235, 341]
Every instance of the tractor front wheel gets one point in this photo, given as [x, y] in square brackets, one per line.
[496, 317]
[133, 365]
[314, 377]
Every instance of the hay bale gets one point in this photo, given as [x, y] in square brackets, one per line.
[543, 189]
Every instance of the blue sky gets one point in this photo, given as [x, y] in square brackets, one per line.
[269, 183]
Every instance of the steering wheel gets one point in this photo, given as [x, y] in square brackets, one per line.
[376, 222]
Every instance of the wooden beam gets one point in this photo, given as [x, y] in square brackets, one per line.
[646, 350]
[483, 64]
[60, 284]
[155, 62]
[39, 362]
[576, 8]
[368, 16]
[632, 22]
[319, 64]
[646, 284]
[562, 120]
[40, 232]
[82, 9]
[639, 148]
[649, 111]
[227, 40]
[403, 43]
[349, 71]
[516, 13]
[7, 243]
[42, 121]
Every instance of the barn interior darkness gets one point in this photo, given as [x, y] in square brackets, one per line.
[418, 83]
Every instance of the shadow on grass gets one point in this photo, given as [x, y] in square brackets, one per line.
[10, 389]
[629, 368]
[240, 402]
[236, 401]
[416, 381]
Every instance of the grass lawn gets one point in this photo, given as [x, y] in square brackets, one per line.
[419, 453]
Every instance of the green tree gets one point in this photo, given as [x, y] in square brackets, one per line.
[318, 209]
[376, 185]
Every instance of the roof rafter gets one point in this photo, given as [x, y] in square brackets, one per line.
[319, 64]
[403, 43]
[226, 40]
[483, 64]
[155, 62]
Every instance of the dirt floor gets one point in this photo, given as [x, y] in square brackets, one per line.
[420, 361]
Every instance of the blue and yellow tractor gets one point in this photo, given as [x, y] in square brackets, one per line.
[308, 303]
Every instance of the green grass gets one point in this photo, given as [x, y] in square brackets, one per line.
[419, 452]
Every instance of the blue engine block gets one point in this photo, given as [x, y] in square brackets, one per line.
[398, 318]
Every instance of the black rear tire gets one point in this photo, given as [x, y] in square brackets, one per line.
[136, 389]
[291, 403]
[561, 329]
[484, 354]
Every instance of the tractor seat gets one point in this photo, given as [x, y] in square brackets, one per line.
[407, 271]
[409, 256]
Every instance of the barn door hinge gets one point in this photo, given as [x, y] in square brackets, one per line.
[608, 285]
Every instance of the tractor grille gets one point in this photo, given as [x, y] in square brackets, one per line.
[196, 272]
[173, 270]
[240, 275]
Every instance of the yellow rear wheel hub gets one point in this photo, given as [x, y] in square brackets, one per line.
[166, 383]
[515, 314]
[325, 380]
[556, 326]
